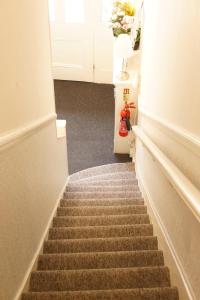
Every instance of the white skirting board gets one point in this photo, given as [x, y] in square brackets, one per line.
[178, 276]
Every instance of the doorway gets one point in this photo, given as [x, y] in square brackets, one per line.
[82, 42]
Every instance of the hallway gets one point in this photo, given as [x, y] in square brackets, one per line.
[88, 109]
[78, 222]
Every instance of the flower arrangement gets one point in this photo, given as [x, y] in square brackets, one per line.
[122, 17]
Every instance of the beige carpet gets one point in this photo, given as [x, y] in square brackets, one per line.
[101, 245]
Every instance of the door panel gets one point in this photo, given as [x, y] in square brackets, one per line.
[72, 41]
[72, 56]
[103, 42]
[82, 43]
[103, 55]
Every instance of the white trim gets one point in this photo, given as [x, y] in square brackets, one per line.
[33, 264]
[180, 134]
[188, 290]
[14, 136]
[184, 187]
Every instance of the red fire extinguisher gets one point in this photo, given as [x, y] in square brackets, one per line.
[123, 131]
[125, 125]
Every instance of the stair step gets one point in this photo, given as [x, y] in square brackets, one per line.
[101, 210]
[109, 176]
[105, 169]
[100, 260]
[104, 182]
[100, 231]
[101, 195]
[101, 244]
[101, 202]
[88, 188]
[165, 293]
[97, 279]
[100, 220]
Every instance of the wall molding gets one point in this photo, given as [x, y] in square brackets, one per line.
[33, 264]
[14, 136]
[179, 134]
[183, 186]
[186, 286]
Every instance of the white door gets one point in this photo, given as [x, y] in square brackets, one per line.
[82, 42]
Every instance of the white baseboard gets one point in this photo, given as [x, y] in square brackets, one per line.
[33, 265]
[180, 278]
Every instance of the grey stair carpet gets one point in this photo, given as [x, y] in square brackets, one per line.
[101, 244]
[89, 111]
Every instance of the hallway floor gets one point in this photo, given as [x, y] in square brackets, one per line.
[89, 111]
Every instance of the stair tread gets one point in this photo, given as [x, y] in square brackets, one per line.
[100, 220]
[101, 202]
[104, 183]
[100, 231]
[101, 210]
[98, 260]
[107, 188]
[109, 176]
[104, 169]
[100, 279]
[100, 195]
[101, 244]
[165, 293]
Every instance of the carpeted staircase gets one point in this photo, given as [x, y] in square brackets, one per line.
[101, 245]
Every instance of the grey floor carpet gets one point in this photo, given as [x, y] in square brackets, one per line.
[101, 244]
[88, 109]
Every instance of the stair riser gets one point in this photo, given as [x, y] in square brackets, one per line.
[101, 245]
[100, 260]
[100, 202]
[135, 294]
[101, 211]
[99, 279]
[100, 221]
[100, 232]
[101, 195]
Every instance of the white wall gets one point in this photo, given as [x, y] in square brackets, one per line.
[26, 90]
[171, 62]
[169, 115]
[32, 174]
[33, 169]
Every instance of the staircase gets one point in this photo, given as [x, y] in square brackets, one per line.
[101, 245]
